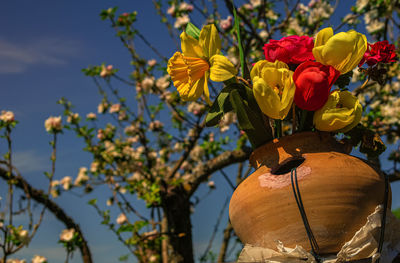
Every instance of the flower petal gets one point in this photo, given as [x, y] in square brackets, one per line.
[342, 51]
[323, 36]
[257, 68]
[197, 89]
[190, 46]
[287, 94]
[206, 91]
[209, 41]
[357, 54]
[267, 98]
[339, 119]
[221, 68]
[188, 75]
[350, 101]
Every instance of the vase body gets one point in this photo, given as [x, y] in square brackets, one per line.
[338, 192]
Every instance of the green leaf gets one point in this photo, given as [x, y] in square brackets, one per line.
[192, 31]
[124, 257]
[220, 106]
[370, 142]
[344, 80]
[92, 202]
[47, 174]
[396, 213]
[230, 81]
[239, 107]
[243, 66]
[125, 228]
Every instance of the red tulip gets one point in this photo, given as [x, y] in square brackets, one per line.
[313, 84]
[291, 50]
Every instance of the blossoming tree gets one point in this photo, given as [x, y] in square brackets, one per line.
[158, 149]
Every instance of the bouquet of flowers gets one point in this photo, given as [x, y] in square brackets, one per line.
[290, 90]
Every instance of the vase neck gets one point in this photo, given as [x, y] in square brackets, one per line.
[293, 147]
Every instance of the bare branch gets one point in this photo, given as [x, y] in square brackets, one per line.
[40, 197]
[219, 162]
[215, 228]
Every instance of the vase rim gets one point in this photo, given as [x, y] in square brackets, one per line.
[296, 144]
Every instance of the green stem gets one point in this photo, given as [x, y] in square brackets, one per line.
[244, 69]
[278, 127]
[303, 117]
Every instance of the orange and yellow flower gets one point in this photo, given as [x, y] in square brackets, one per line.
[199, 61]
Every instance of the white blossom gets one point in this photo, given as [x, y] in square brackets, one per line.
[181, 21]
[67, 235]
[121, 219]
[7, 116]
[39, 259]
[53, 124]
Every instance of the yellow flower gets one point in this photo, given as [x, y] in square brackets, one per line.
[273, 88]
[199, 61]
[342, 51]
[341, 112]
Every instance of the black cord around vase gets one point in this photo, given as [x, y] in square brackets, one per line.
[383, 220]
[297, 196]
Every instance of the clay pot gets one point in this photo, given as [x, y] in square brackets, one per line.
[338, 191]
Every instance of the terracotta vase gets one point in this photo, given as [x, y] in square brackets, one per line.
[338, 192]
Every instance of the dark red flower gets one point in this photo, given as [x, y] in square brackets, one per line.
[313, 84]
[291, 50]
[381, 51]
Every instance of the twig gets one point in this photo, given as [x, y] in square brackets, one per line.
[40, 197]
[151, 46]
[221, 213]
[227, 179]
[223, 160]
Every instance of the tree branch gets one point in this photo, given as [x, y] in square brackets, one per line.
[40, 197]
[219, 162]
[394, 176]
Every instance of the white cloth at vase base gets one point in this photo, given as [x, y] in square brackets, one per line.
[364, 244]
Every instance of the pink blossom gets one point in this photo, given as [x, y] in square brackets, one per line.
[73, 118]
[53, 124]
[171, 10]
[185, 7]
[39, 259]
[100, 134]
[225, 24]
[106, 71]
[91, 116]
[147, 83]
[181, 21]
[122, 219]
[115, 108]
[7, 116]
[66, 182]
[155, 125]
[163, 82]
[152, 62]
[102, 107]
[211, 184]
[67, 235]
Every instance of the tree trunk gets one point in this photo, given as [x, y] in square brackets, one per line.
[176, 207]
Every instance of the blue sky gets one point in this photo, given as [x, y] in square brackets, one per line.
[43, 47]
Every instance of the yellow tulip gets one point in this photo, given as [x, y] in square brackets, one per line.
[341, 113]
[342, 51]
[273, 88]
[199, 61]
